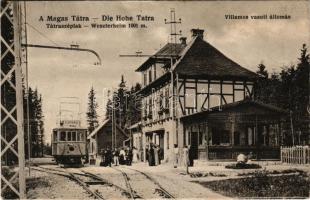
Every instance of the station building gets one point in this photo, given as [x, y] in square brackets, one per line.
[192, 94]
[101, 138]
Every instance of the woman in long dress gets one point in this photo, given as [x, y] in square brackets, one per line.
[156, 155]
[135, 155]
[186, 158]
[151, 156]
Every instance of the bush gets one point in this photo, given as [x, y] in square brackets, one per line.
[243, 166]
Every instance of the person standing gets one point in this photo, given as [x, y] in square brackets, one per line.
[146, 153]
[108, 157]
[135, 155]
[129, 156]
[122, 157]
[160, 155]
[186, 158]
[151, 155]
[156, 158]
[116, 157]
[191, 156]
[102, 154]
[175, 155]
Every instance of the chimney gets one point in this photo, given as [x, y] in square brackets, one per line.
[197, 32]
[183, 40]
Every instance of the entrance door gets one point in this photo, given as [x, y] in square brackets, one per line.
[194, 144]
[161, 145]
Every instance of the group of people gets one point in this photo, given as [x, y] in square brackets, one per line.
[154, 154]
[187, 154]
[119, 156]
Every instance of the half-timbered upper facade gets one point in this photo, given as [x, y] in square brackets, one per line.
[183, 79]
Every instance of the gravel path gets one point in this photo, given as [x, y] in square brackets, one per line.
[43, 185]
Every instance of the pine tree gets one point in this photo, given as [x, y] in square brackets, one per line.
[92, 117]
[261, 87]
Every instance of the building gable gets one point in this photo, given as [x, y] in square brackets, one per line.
[203, 60]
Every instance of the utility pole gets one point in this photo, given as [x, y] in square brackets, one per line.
[13, 49]
[174, 98]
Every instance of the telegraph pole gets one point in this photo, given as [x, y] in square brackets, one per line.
[173, 37]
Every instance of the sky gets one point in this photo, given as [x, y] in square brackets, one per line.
[58, 73]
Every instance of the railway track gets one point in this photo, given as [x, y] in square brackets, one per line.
[126, 178]
[163, 193]
[77, 177]
[73, 177]
[125, 192]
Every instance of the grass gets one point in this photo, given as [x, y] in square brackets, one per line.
[262, 185]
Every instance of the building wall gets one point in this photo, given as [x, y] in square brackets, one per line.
[168, 127]
[104, 138]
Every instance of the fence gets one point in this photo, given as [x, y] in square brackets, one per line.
[295, 155]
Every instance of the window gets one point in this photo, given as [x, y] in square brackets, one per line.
[62, 136]
[55, 136]
[150, 75]
[167, 98]
[73, 136]
[144, 78]
[69, 136]
[225, 136]
[150, 106]
[154, 71]
[167, 140]
[200, 138]
[220, 136]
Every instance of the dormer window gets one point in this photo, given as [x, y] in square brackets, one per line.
[144, 78]
[150, 76]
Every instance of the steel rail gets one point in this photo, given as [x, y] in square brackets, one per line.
[124, 191]
[70, 176]
[163, 190]
[126, 178]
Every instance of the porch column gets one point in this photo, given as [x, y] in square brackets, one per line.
[207, 141]
[143, 146]
[232, 130]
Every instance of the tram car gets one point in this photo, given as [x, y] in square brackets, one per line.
[69, 143]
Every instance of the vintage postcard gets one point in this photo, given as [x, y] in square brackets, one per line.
[155, 99]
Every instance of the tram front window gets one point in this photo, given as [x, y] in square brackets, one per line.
[73, 136]
[62, 136]
[78, 136]
[55, 136]
[69, 136]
